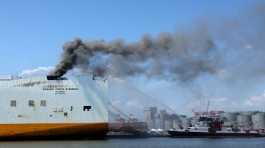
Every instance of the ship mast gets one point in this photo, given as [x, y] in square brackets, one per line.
[207, 109]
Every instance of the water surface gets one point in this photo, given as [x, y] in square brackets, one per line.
[142, 143]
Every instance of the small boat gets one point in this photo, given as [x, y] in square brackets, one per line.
[206, 134]
[209, 127]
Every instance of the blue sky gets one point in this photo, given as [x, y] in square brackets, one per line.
[32, 31]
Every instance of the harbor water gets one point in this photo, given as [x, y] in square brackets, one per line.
[142, 143]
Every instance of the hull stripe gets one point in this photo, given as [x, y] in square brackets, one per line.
[56, 129]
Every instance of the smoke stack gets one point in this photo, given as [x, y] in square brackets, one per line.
[51, 77]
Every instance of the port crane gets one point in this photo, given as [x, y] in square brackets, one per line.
[127, 123]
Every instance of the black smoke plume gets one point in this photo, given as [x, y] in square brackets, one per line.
[231, 47]
[183, 55]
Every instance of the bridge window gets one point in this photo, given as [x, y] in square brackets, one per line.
[31, 103]
[13, 103]
[43, 103]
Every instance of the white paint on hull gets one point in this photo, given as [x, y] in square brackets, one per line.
[65, 100]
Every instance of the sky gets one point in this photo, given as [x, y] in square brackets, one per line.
[32, 32]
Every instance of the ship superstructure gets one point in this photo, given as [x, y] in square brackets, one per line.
[210, 126]
[45, 107]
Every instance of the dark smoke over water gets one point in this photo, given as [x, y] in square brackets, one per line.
[220, 48]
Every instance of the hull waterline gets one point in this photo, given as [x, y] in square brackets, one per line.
[183, 134]
[52, 131]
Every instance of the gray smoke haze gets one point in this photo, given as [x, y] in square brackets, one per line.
[230, 47]
[183, 55]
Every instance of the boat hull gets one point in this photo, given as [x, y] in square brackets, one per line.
[53, 131]
[183, 134]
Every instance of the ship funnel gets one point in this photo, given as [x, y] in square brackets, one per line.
[52, 77]
[55, 77]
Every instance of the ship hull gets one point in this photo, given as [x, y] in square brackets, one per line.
[52, 131]
[183, 134]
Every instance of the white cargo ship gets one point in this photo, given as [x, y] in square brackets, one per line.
[51, 107]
